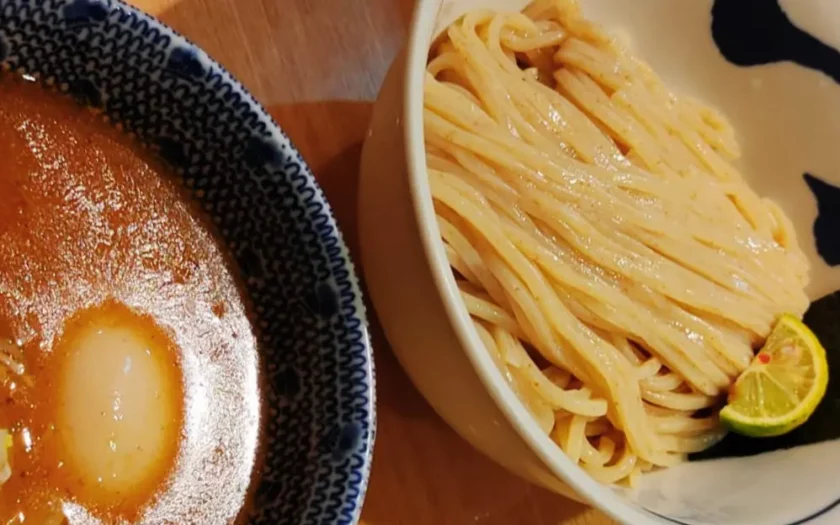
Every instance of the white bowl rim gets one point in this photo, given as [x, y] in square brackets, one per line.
[601, 496]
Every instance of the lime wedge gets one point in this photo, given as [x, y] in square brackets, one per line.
[782, 386]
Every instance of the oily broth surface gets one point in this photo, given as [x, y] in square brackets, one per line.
[88, 218]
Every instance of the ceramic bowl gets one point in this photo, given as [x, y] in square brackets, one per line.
[318, 380]
[772, 68]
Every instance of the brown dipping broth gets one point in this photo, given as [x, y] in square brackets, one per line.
[91, 222]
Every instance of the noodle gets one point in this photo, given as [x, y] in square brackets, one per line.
[618, 268]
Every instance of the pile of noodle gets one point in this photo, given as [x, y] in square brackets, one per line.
[615, 263]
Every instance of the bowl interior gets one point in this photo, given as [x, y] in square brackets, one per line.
[296, 272]
[783, 105]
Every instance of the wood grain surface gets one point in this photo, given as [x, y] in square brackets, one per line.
[317, 66]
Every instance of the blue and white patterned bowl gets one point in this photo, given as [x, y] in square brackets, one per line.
[272, 215]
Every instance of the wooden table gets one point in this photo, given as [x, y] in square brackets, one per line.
[317, 66]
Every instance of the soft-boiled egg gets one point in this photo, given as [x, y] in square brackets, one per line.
[119, 407]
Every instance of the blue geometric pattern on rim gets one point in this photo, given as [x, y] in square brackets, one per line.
[272, 215]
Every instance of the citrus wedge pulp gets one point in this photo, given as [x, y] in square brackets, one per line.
[782, 386]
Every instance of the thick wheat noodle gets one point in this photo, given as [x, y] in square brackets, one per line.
[662, 383]
[610, 376]
[614, 251]
[623, 309]
[490, 313]
[618, 268]
[706, 216]
[683, 425]
[625, 316]
[617, 253]
[471, 258]
[573, 401]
